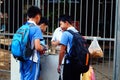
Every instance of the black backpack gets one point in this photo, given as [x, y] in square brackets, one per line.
[79, 54]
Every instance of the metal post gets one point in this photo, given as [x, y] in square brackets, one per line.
[0, 11]
[117, 43]
[37, 3]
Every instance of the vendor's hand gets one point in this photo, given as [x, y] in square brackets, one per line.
[55, 43]
[42, 52]
[59, 69]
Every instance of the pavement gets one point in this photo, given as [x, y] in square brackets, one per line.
[103, 69]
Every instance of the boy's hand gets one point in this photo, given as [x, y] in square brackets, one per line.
[59, 69]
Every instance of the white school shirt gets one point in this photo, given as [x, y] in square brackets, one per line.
[36, 56]
[57, 34]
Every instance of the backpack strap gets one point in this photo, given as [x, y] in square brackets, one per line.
[30, 44]
[72, 32]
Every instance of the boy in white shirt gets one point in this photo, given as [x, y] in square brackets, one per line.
[56, 39]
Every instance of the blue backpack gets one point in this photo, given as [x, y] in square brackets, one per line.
[79, 54]
[20, 45]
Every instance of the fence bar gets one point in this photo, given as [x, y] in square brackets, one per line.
[117, 43]
[105, 4]
[18, 15]
[86, 17]
[111, 23]
[80, 15]
[22, 11]
[32, 2]
[4, 15]
[37, 3]
[58, 11]
[110, 47]
[75, 11]
[92, 17]
[47, 18]
[8, 16]
[0, 10]
[0, 13]
[48, 11]
[27, 4]
[13, 14]
[1, 70]
[70, 7]
[64, 7]
[53, 14]
[4, 21]
[98, 18]
[42, 7]
[105, 18]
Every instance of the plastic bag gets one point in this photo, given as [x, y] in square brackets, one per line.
[89, 75]
[95, 49]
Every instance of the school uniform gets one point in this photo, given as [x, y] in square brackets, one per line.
[69, 70]
[57, 36]
[30, 69]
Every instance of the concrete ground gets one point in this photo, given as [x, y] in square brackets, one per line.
[103, 69]
[4, 64]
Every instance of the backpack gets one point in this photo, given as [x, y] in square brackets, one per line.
[20, 45]
[79, 54]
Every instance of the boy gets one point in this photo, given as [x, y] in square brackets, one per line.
[69, 71]
[43, 24]
[30, 69]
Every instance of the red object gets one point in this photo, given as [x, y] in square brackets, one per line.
[76, 24]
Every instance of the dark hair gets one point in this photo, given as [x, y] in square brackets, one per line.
[43, 20]
[33, 11]
[65, 18]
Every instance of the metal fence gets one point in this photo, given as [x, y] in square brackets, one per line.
[93, 18]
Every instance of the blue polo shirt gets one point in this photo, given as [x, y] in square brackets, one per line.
[35, 33]
[66, 40]
[30, 69]
[67, 37]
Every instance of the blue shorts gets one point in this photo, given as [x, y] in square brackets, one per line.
[29, 70]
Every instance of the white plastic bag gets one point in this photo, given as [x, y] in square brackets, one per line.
[95, 49]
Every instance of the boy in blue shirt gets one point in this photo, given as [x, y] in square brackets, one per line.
[69, 70]
[43, 24]
[30, 69]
